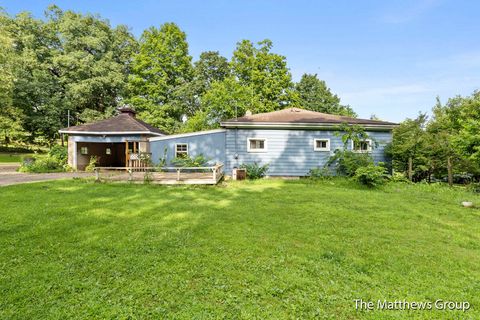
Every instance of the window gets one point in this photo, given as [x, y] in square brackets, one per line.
[362, 146]
[181, 150]
[321, 145]
[83, 150]
[108, 151]
[257, 145]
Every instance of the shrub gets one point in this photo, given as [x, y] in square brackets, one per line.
[347, 162]
[197, 161]
[255, 171]
[54, 161]
[371, 175]
[60, 153]
[320, 173]
[91, 164]
[474, 187]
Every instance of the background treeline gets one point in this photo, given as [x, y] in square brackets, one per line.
[77, 64]
[445, 147]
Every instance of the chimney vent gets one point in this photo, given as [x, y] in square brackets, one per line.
[127, 110]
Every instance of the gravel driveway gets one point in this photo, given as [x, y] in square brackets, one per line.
[9, 175]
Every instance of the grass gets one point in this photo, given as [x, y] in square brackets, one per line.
[11, 157]
[265, 249]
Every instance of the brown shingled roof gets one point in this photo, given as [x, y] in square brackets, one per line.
[300, 116]
[122, 123]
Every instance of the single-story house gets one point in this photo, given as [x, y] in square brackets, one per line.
[291, 141]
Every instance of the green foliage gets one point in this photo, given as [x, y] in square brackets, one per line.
[254, 170]
[60, 153]
[91, 164]
[197, 161]
[67, 61]
[371, 175]
[316, 96]
[266, 73]
[161, 66]
[323, 173]
[347, 162]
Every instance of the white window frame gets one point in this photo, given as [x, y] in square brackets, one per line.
[84, 153]
[180, 144]
[265, 145]
[321, 149]
[369, 149]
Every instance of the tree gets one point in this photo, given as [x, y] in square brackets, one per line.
[316, 96]
[161, 66]
[409, 148]
[68, 61]
[266, 73]
[224, 100]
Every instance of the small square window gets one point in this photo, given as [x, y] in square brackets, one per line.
[257, 145]
[83, 150]
[181, 150]
[108, 151]
[322, 145]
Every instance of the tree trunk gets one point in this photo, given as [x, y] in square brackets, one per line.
[450, 171]
[410, 168]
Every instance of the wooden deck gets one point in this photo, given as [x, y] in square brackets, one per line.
[166, 175]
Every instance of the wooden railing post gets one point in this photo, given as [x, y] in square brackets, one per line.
[178, 174]
[215, 173]
[130, 177]
[97, 174]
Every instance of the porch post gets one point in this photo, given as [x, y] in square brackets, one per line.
[74, 154]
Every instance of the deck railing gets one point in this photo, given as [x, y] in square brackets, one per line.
[162, 175]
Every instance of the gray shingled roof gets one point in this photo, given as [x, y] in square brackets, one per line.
[123, 122]
[296, 115]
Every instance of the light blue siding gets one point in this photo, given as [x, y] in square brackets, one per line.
[211, 145]
[289, 152]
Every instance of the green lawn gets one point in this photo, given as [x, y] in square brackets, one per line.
[11, 157]
[267, 249]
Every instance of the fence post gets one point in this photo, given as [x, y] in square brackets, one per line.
[97, 174]
[178, 174]
[130, 178]
[215, 173]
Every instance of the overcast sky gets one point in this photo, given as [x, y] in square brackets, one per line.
[389, 58]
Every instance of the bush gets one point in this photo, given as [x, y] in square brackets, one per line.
[54, 161]
[91, 164]
[60, 153]
[346, 163]
[371, 175]
[197, 161]
[320, 173]
[255, 171]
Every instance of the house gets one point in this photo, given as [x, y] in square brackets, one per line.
[291, 141]
[116, 142]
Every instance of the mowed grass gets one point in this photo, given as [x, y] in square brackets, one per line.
[11, 157]
[269, 249]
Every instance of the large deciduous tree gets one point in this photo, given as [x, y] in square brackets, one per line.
[314, 95]
[265, 72]
[69, 61]
[159, 70]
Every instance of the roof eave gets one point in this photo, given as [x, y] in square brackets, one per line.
[290, 125]
[111, 133]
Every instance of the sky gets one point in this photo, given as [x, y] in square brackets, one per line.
[388, 58]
